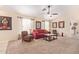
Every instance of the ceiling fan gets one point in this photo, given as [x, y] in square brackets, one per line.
[48, 11]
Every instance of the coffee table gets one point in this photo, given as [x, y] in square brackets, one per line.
[49, 37]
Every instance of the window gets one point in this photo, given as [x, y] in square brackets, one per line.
[26, 25]
[46, 25]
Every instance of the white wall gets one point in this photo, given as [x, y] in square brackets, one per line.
[7, 35]
[69, 14]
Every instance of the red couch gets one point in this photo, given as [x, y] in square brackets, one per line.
[39, 33]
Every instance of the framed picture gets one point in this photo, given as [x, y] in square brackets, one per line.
[38, 25]
[5, 23]
[54, 24]
[61, 24]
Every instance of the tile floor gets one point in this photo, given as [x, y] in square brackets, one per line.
[60, 46]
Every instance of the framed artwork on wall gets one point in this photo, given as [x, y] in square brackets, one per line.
[61, 24]
[38, 25]
[54, 24]
[5, 23]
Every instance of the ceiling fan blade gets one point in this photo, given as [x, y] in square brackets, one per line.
[55, 14]
[44, 9]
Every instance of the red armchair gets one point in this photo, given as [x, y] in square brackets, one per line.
[39, 33]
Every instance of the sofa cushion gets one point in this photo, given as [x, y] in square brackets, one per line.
[39, 33]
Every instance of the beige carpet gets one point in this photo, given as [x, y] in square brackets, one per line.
[61, 45]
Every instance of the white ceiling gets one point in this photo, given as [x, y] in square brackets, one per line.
[36, 10]
[28, 10]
